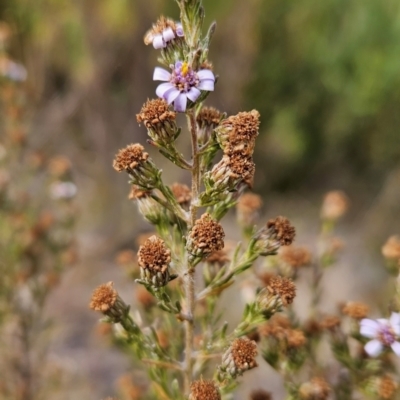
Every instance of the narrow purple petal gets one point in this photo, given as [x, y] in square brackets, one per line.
[168, 34]
[373, 348]
[161, 74]
[180, 103]
[369, 327]
[396, 348]
[171, 95]
[395, 322]
[193, 94]
[205, 74]
[158, 42]
[163, 88]
[179, 30]
[206, 84]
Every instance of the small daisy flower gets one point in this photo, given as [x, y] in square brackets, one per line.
[162, 32]
[182, 84]
[383, 332]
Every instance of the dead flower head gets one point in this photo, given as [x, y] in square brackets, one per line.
[206, 236]
[278, 232]
[295, 256]
[355, 309]
[106, 299]
[316, 389]
[155, 113]
[154, 259]
[240, 357]
[335, 205]
[130, 158]
[279, 293]
[204, 390]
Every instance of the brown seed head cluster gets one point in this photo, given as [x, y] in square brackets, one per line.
[355, 309]
[182, 194]
[154, 255]
[295, 256]
[240, 356]
[247, 208]
[284, 288]
[275, 327]
[104, 297]
[330, 322]
[204, 390]
[335, 205]
[295, 338]
[387, 387]
[281, 230]
[130, 157]
[208, 117]
[391, 249]
[316, 389]
[260, 394]
[154, 113]
[206, 236]
[242, 168]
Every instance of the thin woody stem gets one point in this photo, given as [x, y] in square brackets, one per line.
[189, 282]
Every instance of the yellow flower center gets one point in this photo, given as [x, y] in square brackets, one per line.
[185, 68]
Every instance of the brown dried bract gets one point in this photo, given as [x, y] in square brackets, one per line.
[155, 112]
[295, 256]
[282, 230]
[204, 390]
[130, 157]
[154, 255]
[284, 288]
[355, 309]
[103, 297]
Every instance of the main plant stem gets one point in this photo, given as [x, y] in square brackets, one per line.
[189, 276]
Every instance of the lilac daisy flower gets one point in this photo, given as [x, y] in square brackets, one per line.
[163, 32]
[383, 332]
[182, 84]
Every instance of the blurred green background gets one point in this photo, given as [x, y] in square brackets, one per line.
[325, 76]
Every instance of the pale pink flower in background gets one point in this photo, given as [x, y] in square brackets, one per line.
[182, 84]
[383, 332]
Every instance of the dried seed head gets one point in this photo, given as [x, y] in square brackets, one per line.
[281, 230]
[155, 113]
[316, 389]
[247, 208]
[391, 249]
[205, 237]
[204, 390]
[208, 117]
[237, 134]
[284, 288]
[182, 194]
[387, 387]
[260, 394]
[106, 299]
[242, 168]
[154, 259]
[130, 157]
[240, 357]
[275, 327]
[355, 309]
[295, 256]
[335, 205]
